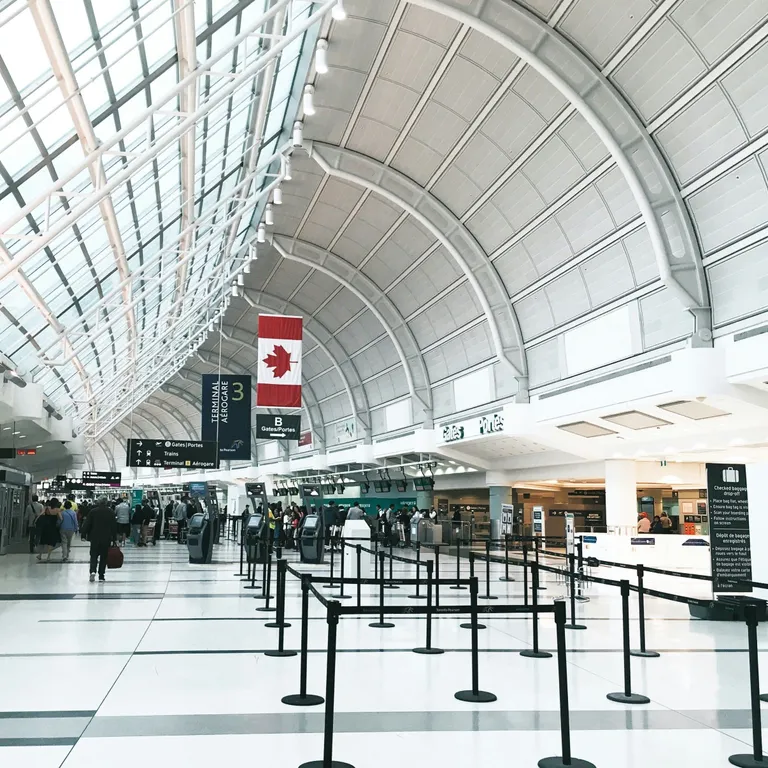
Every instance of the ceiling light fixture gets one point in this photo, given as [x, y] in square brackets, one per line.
[309, 100]
[247, 268]
[240, 279]
[234, 289]
[321, 57]
[339, 13]
[277, 196]
[287, 168]
[269, 216]
[298, 133]
[261, 233]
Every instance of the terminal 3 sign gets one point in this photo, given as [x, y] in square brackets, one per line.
[489, 424]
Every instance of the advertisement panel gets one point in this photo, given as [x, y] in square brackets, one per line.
[226, 414]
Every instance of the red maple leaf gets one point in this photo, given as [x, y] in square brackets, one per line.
[279, 361]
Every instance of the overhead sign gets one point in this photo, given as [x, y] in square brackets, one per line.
[305, 438]
[279, 367]
[12, 453]
[346, 431]
[172, 454]
[490, 424]
[102, 478]
[273, 427]
[226, 414]
[254, 489]
[729, 527]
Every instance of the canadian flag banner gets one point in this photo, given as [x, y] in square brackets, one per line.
[278, 381]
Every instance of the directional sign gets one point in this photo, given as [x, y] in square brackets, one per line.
[102, 478]
[173, 454]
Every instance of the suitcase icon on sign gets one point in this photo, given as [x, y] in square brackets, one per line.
[730, 475]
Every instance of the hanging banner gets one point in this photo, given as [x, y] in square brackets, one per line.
[279, 372]
[226, 415]
[729, 527]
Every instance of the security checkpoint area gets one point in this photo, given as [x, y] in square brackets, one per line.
[383, 382]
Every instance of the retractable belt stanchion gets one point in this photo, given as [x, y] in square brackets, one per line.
[535, 653]
[428, 649]
[643, 652]
[418, 595]
[330, 584]
[330, 694]
[572, 582]
[281, 624]
[458, 565]
[565, 760]
[506, 576]
[267, 586]
[756, 758]
[341, 595]
[475, 696]
[488, 595]
[536, 557]
[359, 575]
[381, 624]
[626, 696]
[471, 623]
[252, 573]
[302, 698]
[437, 575]
[580, 556]
[242, 544]
[525, 573]
[391, 585]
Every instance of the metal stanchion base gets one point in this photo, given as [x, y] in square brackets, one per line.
[575, 626]
[633, 698]
[391, 586]
[457, 586]
[323, 764]
[536, 654]
[277, 625]
[297, 700]
[481, 697]
[488, 597]
[558, 762]
[645, 654]
[342, 597]
[417, 597]
[468, 625]
[265, 609]
[747, 761]
[382, 625]
[281, 654]
[504, 578]
[764, 697]
[330, 586]
[252, 587]
[429, 651]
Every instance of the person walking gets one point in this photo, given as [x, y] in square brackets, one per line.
[147, 515]
[48, 530]
[101, 529]
[123, 515]
[34, 510]
[137, 517]
[67, 529]
[666, 523]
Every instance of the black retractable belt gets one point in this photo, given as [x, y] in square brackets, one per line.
[475, 696]
[756, 759]
[565, 760]
[488, 595]
[302, 698]
[471, 623]
[536, 557]
[643, 652]
[418, 595]
[267, 586]
[428, 649]
[626, 696]
[535, 653]
[525, 574]
[330, 584]
[381, 624]
[391, 585]
[457, 585]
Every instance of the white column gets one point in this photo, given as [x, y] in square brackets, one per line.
[621, 493]
[757, 494]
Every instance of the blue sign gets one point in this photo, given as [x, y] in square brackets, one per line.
[642, 541]
[695, 543]
[589, 539]
[226, 414]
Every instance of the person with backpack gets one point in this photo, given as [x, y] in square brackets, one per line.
[67, 529]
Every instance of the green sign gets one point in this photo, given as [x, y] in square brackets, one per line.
[369, 505]
[136, 496]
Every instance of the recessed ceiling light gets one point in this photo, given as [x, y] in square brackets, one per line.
[693, 409]
[585, 429]
[38, 446]
[635, 420]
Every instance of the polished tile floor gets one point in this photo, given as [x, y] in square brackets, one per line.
[163, 665]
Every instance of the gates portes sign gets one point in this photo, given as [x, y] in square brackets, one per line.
[729, 527]
[226, 415]
[172, 454]
[277, 427]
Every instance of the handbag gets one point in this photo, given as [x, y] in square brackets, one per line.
[114, 557]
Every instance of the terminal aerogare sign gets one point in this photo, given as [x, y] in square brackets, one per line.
[489, 424]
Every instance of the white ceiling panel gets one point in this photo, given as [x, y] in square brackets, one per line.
[470, 348]
[488, 54]
[616, 194]
[662, 321]
[456, 190]
[540, 94]
[553, 169]
[336, 313]
[585, 219]
[739, 285]
[437, 272]
[459, 308]
[411, 60]
[287, 279]
[433, 26]
[490, 227]
[641, 256]
[465, 88]
[515, 269]
[386, 387]
[372, 138]
[583, 142]
[745, 86]
[376, 358]
[535, 314]
[607, 275]
[315, 291]
[547, 246]
[568, 297]
[417, 160]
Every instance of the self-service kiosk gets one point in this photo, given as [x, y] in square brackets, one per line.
[312, 540]
[200, 535]
[256, 538]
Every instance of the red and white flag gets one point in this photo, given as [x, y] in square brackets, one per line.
[278, 381]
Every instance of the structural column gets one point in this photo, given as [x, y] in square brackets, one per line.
[621, 493]
[499, 494]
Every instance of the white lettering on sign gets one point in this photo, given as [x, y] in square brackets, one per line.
[491, 424]
[278, 421]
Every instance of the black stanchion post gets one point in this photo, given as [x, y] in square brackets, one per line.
[418, 595]
[535, 653]
[428, 649]
[536, 545]
[268, 585]
[643, 652]
[252, 572]
[242, 545]
[566, 760]
[506, 576]
[470, 623]
[381, 624]
[525, 573]
[475, 696]
[302, 698]
[341, 595]
[359, 575]
[458, 564]
[580, 557]
[488, 595]
[627, 697]
[572, 582]
[391, 560]
[757, 758]
[330, 584]
[330, 694]
[437, 576]
[281, 624]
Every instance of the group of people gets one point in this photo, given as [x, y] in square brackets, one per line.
[661, 523]
[53, 524]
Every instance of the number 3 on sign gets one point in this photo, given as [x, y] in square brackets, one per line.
[238, 387]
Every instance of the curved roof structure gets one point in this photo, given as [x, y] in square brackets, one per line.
[490, 198]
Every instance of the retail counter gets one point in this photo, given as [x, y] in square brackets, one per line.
[672, 551]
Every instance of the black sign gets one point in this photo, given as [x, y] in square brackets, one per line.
[226, 414]
[172, 454]
[254, 489]
[274, 427]
[729, 527]
[102, 478]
